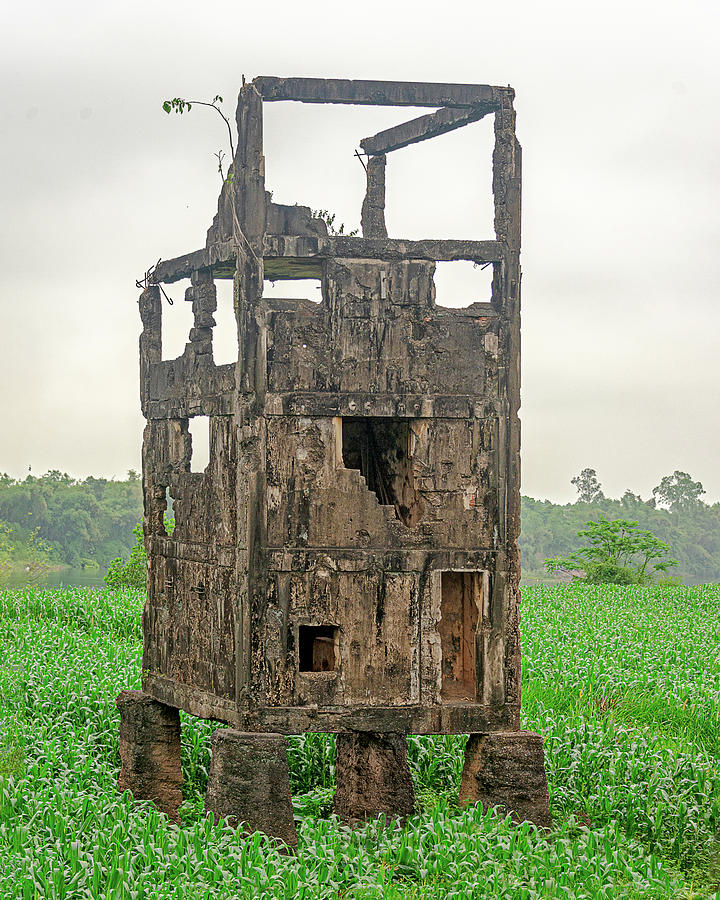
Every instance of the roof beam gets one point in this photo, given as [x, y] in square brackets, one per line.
[424, 127]
[378, 93]
[391, 249]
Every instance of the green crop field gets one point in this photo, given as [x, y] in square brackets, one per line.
[622, 683]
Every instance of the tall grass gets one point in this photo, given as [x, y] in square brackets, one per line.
[623, 685]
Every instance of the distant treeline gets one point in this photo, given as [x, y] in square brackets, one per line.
[675, 514]
[66, 521]
[90, 522]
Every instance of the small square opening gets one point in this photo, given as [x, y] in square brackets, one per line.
[460, 283]
[318, 648]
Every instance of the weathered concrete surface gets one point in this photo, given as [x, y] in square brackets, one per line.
[249, 783]
[379, 93]
[372, 217]
[150, 751]
[507, 769]
[421, 129]
[363, 482]
[372, 776]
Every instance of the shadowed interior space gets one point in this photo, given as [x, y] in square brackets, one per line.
[381, 449]
[460, 603]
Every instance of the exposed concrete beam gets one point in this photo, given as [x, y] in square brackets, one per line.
[424, 127]
[300, 251]
[382, 248]
[377, 93]
[221, 257]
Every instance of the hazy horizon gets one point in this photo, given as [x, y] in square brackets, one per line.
[619, 119]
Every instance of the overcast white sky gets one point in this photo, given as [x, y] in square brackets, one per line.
[619, 117]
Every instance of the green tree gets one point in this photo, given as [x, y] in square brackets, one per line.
[618, 552]
[678, 491]
[133, 573]
[588, 486]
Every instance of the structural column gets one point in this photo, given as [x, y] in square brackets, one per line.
[373, 776]
[150, 751]
[249, 783]
[507, 769]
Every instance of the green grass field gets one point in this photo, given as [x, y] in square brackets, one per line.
[622, 683]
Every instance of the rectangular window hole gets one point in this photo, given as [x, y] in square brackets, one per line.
[199, 428]
[382, 450]
[169, 505]
[177, 319]
[442, 186]
[461, 283]
[293, 289]
[318, 648]
[460, 605]
[225, 333]
[169, 513]
[312, 145]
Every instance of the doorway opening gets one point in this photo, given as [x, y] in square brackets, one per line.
[460, 605]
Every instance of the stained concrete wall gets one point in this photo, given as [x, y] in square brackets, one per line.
[277, 534]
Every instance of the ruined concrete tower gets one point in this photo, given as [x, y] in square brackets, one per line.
[348, 560]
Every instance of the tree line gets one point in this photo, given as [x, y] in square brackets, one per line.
[675, 513]
[58, 520]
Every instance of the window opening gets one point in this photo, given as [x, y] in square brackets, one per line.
[442, 186]
[199, 428]
[177, 320]
[169, 514]
[460, 603]
[460, 283]
[293, 289]
[318, 648]
[380, 448]
[225, 336]
[318, 142]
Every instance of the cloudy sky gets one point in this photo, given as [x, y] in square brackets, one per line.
[619, 117]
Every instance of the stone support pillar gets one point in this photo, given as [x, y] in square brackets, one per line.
[150, 751]
[507, 769]
[249, 782]
[372, 776]
[372, 219]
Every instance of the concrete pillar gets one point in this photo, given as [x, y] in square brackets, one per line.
[150, 751]
[249, 782]
[507, 769]
[372, 776]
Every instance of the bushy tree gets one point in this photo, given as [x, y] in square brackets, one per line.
[588, 486]
[678, 491]
[133, 573]
[85, 522]
[618, 552]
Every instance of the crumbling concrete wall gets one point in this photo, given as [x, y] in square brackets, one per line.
[303, 586]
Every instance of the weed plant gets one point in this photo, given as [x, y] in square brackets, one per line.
[622, 683]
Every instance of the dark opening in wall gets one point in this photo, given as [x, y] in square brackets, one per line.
[381, 448]
[318, 648]
[460, 604]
